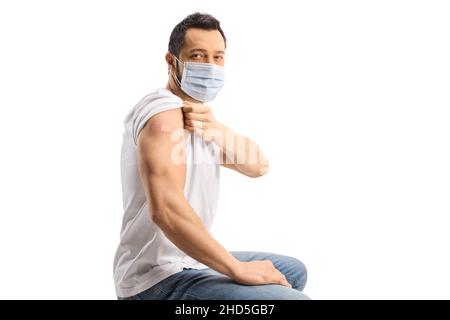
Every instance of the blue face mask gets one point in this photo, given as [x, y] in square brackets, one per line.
[201, 81]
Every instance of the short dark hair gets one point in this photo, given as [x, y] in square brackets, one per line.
[195, 20]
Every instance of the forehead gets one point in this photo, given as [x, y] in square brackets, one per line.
[210, 40]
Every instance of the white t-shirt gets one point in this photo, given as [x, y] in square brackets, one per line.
[145, 256]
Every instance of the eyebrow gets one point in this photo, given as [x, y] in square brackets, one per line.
[204, 50]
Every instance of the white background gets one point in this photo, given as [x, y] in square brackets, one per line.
[349, 100]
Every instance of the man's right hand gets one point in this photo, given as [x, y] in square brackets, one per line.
[258, 273]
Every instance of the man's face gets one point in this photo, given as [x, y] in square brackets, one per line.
[201, 45]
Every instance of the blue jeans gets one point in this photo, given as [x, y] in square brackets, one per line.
[208, 284]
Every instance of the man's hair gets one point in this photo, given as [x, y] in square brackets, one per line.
[195, 20]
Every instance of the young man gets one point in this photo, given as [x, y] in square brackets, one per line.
[170, 183]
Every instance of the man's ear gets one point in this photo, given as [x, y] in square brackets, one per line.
[169, 60]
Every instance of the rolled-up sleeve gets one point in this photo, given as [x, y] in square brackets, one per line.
[147, 108]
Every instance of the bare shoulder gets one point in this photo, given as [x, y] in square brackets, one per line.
[164, 122]
[160, 143]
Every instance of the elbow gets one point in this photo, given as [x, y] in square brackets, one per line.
[264, 169]
[158, 216]
[162, 211]
[159, 213]
[260, 171]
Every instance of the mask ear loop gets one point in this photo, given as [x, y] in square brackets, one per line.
[176, 71]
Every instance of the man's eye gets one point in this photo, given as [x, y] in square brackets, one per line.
[197, 56]
[219, 57]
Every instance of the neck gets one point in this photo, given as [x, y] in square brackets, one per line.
[176, 90]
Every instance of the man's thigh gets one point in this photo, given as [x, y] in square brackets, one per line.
[207, 284]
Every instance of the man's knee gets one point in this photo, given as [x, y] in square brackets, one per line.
[296, 271]
[301, 274]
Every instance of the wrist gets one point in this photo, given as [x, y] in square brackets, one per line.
[220, 126]
[234, 268]
[217, 133]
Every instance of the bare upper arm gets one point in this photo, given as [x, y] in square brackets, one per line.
[160, 154]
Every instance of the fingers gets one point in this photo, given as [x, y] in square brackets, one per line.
[280, 277]
[194, 123]
[285, 283]
[193, 129]
[195, 116]
[198, 108]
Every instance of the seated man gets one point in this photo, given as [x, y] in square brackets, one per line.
[172, 151]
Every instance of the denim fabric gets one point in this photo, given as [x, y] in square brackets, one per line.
[208, 284]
